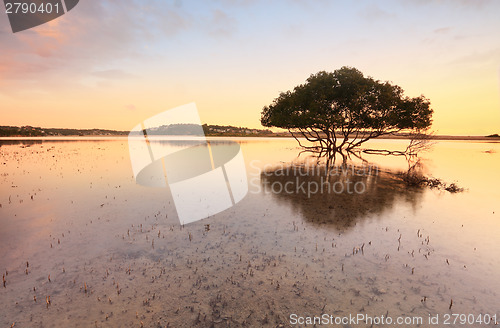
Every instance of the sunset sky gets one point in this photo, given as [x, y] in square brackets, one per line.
[113, 63]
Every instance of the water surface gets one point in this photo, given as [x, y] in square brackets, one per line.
[117, 256]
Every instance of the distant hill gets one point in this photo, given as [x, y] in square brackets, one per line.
[173, 129]
[228, 130]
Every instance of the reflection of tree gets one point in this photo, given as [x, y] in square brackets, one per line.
[332, 205]
[27, 142]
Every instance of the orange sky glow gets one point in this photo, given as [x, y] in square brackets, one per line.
[111, 64]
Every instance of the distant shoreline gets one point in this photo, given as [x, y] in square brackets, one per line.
[28, 132]
[82, 137]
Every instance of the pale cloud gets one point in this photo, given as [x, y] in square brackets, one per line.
[94, 34]
[466, 4]
[113, 74]
[173, 22]
[221, 24]
[237, 2]
[499, 80]
[372, 12]
[95, 37]
[483, 57]
[442, 30]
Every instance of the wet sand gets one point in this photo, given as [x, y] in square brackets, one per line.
[110, 253]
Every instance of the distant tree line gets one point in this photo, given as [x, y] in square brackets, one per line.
[215, 130]
[30, 131]
[172, 129]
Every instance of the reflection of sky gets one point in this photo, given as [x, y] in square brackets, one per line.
[113, 63]
[87, 188]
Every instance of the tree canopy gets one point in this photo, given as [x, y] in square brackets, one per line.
[342, 109]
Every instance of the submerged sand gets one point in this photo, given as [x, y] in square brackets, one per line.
[117, 256]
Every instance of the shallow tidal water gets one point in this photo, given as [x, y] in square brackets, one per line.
[75, 227]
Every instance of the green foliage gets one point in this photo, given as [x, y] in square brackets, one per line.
[348, 103]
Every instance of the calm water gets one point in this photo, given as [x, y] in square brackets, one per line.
[75, 226]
